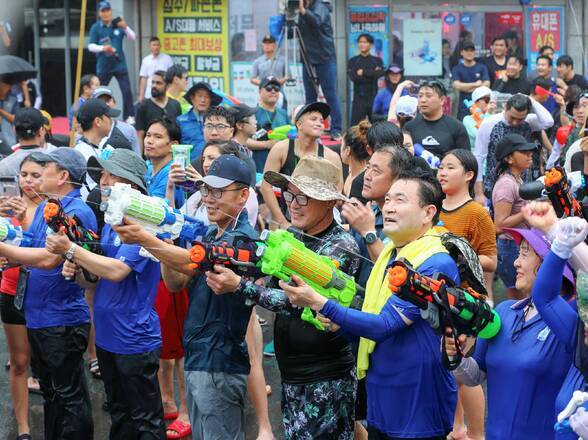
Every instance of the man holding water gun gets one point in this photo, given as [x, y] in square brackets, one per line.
[312, 362]
[58, 319]
[216, 359]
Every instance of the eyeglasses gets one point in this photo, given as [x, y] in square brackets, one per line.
[272, 88]
[218, 127]
[216, 193]
[301, 199]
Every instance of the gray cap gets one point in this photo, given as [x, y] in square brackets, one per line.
[122, 163]
[67, 158]
[102, 91]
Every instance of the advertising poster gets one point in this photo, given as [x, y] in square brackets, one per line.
[371, 20]
[422, 47]
[546, 28]
[195, 33]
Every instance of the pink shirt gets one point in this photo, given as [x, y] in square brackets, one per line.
[506, 190]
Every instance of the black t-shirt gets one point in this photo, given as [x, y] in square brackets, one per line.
[148, 111]
[513, 86]
[579, 81]
[440, 136]
[495, 70]
[357, 187]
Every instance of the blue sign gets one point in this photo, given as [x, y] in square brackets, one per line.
[449, 19]
[465, 19]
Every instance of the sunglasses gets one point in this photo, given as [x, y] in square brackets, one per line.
[272, 88]
[434, 84]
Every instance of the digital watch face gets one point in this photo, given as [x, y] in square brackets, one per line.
[582, 296]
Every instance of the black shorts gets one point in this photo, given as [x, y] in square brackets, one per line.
[8, 313]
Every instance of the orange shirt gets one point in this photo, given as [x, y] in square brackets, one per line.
[473, 222]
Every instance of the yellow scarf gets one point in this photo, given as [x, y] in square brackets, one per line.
[377, 291]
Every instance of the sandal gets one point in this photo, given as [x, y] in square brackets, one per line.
[170, 415]
[94, 368]
[33, 386]
[24, 437]
[180, 430]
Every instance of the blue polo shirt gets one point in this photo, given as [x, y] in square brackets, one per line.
[192, 128]
[124, 317]
[523, 377]
[409, 391]
[50, 300]
[267, 119]
[101, 35]
[156, 184]
[215, 325]
[469, 74]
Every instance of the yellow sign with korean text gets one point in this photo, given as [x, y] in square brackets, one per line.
[195, 33]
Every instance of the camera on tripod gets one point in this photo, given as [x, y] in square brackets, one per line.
[291, 9]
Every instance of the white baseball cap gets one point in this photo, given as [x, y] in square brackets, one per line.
[481, 92]
[407, 106]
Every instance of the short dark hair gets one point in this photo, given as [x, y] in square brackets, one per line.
[435, 85]
[152, 39]
[176, 70]
[429, 190]
[565, 59]
[160, 73]
[469, 163]
[519, 59]
[541, 82]
[519, 102]
[400, 158]
[86, 80]
[368, 37]
[542, 49]
[384, 133]
[545, 57]
[173, 131]
[495, 39]
[220, 112]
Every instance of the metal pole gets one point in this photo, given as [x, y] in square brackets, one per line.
[79, 63]
[37, 41]
[67, 35]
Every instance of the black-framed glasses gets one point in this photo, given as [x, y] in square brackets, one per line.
[218, 127]
[301, 199]
[272, 88]
[216, 193]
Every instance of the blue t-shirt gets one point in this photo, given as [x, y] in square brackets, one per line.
[156, 184]
[409, 391]
[50, 300]
[366, 264]
[469, 74]
[215, 325]
[268, 120]
[124, 317]
[192, 129]
[523, 377]
[101, 35]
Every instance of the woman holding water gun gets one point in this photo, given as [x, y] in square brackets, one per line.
[526, 363]
[22, 210]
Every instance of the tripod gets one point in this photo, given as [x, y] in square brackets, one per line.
[291, 31]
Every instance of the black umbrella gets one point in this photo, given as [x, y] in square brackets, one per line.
[14, 69]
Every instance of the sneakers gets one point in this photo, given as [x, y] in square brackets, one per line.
[269, 350]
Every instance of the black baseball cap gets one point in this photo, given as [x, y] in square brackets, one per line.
[214, 98]
[242, 111]
[268, 38]
[321, 107]
[227, 169]
[29, 119]
[468, 45]
[266, 81]
[94, 108]
[511, 143]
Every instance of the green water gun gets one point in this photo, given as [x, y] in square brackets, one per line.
[465, 311]
[281, 255]
[283, 132]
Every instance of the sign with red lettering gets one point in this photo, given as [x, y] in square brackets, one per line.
[546, 28]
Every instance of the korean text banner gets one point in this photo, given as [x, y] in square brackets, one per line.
[371, 20]
[546, 28]
[195, 33]
[422, 47]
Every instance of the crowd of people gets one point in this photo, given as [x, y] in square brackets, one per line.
[407, 183]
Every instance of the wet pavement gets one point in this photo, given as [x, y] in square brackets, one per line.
[101, 417]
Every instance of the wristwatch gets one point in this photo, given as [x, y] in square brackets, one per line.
[370, 237]
[70, 252]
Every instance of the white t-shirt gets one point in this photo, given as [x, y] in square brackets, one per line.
[150, 65]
